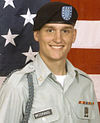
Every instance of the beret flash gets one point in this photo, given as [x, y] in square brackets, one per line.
[55, 12]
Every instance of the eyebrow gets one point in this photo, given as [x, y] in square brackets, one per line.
[65, 27]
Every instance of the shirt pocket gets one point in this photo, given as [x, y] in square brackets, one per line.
[45, 115]
[85, 112]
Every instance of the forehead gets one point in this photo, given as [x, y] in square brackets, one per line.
[58, 25]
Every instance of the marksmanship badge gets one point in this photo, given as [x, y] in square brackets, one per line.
[66, 12]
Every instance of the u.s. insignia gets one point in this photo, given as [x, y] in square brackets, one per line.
[66, 12]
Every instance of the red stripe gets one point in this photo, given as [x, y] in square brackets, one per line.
[87, 9]
[99, 105]
[87, 60]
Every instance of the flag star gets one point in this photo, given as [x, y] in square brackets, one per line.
[9, 2]
[28, 17]
[30, 55]
[9, 38]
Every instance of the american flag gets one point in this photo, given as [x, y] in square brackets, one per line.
[17, 45]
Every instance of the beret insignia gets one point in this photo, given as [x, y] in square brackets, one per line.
[66, 12]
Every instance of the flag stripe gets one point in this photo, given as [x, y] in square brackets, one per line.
[87, 9]
[86, 59]
[99, 105]
[88, 35]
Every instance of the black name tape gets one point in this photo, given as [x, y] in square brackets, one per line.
[43, 113]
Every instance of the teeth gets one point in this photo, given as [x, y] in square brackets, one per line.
[56, 47]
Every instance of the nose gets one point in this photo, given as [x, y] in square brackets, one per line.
[57, 37]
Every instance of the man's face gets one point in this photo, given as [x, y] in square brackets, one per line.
[55, 40]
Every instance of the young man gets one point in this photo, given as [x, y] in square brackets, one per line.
[62, 93]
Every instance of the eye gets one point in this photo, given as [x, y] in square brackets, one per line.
[50, 30]
[66, 31]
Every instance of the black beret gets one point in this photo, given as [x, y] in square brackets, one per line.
[55, 12]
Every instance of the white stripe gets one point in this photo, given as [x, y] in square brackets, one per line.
[88, 35]
[96, 80]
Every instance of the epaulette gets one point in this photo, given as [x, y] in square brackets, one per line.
[83, 73]
[26, 69]
[8, 76]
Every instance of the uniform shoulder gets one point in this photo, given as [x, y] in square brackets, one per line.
[16, 76]
[26, 69]
[82, 73]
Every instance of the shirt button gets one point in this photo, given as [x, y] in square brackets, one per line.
[44, 119]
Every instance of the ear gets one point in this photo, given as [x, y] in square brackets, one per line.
[36, 35]
[74, 35]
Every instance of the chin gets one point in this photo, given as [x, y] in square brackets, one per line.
[57, 58]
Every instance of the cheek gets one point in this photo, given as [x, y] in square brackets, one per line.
[43, 43]
[68, 40]
[44, 37]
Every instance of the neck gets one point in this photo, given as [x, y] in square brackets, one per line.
[57, 67]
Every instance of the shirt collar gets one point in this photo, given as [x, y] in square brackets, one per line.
[42, 71]
[70, 69]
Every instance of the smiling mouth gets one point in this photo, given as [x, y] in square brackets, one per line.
[57, 46]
